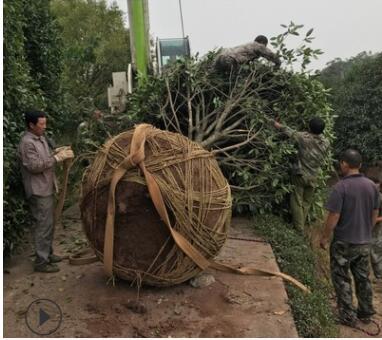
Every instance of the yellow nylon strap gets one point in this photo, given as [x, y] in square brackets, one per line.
[136, 153]
[136, 157]
[60, 204]
[257, 271]
[181, 242]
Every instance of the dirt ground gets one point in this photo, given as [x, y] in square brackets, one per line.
[232, 306]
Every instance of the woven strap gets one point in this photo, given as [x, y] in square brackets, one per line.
[86, 256]
[137, 157]
[60, 205]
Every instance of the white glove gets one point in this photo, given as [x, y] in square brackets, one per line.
[63, 155]
[57, 150]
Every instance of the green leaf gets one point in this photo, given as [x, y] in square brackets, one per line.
[309, 32]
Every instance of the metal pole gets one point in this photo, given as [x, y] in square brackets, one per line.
[139, 40]
[181, 17]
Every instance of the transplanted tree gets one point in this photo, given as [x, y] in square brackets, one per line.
[357, 101]
[232, 115]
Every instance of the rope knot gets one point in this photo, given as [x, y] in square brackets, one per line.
[127, 163]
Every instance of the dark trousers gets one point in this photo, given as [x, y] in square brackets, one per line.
[42, 209]
[345, 257]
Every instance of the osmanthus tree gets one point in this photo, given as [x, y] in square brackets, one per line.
[356, 94]
[232, 115]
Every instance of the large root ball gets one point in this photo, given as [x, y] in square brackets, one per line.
[197, 199]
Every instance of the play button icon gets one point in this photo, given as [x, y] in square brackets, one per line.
[43, 317]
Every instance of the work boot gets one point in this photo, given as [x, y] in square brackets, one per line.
[347, 318]
[54, 258]
[46, 268]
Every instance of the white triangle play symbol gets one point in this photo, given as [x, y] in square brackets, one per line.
[44, 317]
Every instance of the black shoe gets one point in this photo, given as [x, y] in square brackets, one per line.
[46, 268]
[364, 318]
[54, 258]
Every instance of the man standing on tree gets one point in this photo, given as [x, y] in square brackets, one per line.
[352, 213]
[37, 168]
[230, 59]
[312, 149]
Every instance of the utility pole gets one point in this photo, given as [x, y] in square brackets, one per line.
[181, 17]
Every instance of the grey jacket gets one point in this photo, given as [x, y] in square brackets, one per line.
[248, 52]
[37, 165]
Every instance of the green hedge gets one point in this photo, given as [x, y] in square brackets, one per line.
[312, 312]
[356, 86]
[31, 79]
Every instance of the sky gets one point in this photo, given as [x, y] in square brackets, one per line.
[342, 28]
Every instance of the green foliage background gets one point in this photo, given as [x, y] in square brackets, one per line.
[32, 67]
[95, 44]
[357, 101]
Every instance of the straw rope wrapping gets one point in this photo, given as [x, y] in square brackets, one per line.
[171, 165]
[194, 191]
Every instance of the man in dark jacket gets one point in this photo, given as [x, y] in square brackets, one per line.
[352, 213]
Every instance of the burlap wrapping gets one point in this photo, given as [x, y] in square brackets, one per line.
[195, 193]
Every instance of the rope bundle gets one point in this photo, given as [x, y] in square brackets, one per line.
[196, 197]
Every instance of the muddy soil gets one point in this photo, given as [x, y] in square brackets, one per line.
[232, 306]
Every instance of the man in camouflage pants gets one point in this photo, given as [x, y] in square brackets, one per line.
[352, 212]
[376, 243]
[312, 148]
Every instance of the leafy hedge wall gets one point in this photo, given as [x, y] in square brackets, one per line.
[356, 87]
[32, 67]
